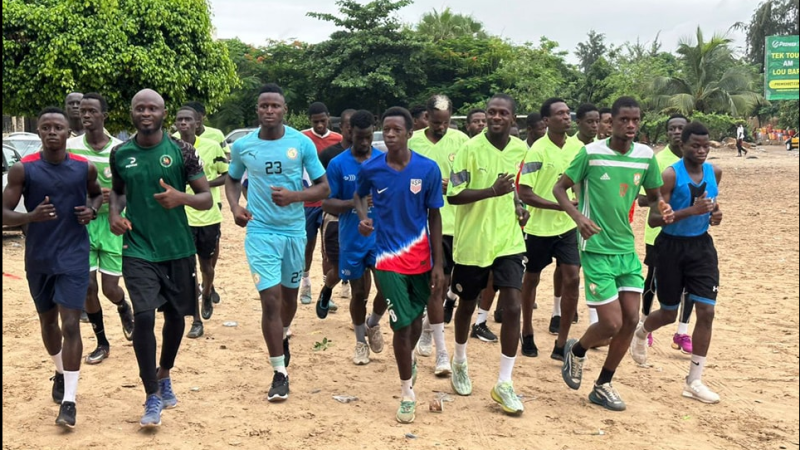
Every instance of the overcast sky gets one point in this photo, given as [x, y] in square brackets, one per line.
[567, 22]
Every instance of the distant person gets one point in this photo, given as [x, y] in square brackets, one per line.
[740, 140]
[588, 118]
[514, 131]
[535, 128]
[476, 122]
[420, 115]
[72, 106]
[206, 132]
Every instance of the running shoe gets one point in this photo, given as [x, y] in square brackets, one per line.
[555, 325]
[558, 352]
[361, 356]
[152, 412]
[498, 315]
[638, 349]
[214, 295]
[649, 339]
[682, 342]
[375, 338]
[208, 308]
[442, 365]
[305, 295]
[482, 332]
[58, 387]
[529, 347]
[97, 356]
[66, 415]
[572, 371]
[344, 290]
[503, 393]
[196, 331]
[280, 388]
[126, 317]
[286, 355]
[168, 397]
[460, 378]
[606, 396]
[322, 307]
[332, 307]
[699, 391]
[406, 413]
[425, 343]
[449, 306]
[413, 371]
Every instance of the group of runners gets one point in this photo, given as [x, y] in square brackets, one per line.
[439, 223]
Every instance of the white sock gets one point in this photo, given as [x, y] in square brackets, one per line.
[451, 295]
[592, 316]
[683, 328]
[407, 390]
[461, 353]
[285, 331]
[438, 337]
[306, 279]
[278, 364]
[556, 306]
[696, 368]
[426, 324]
[641, 331]
[482, 316]
[324, 280]
[58, 361]
[506, 367]
[642, 318]
[71, 385]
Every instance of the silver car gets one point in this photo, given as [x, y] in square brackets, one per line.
[377, 141]
[23, 143]
[11, 157]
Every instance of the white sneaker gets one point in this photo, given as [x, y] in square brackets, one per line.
[344, 290]
[638, 348]
[442, 365]
[425, 344]
[375, 338]
[699, 391]
[305, 295]
[361, 356]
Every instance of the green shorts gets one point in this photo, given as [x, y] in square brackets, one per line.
[105, 248]
[605, 276]
[406, 296]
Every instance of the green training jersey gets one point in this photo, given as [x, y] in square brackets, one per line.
[544, 165]
[78, 146]
[665, 158]
[610, 183]
[487, 229]
[158, 234]
[443, 153]
[214, 164]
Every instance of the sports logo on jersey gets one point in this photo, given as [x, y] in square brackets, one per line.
[452, 157]
[107, 172]
[256, 278]
[291, 153]
[623, 189]
[637, 177]
[593, 288]
[416, 185]
[349, 178]
[165, 160]
[605, 177]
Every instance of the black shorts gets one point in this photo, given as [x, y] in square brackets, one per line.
[161, 285]
[67, 290]
[686, 264]
[447, 253]
[650, 256]
[330, 239]
[469, 281]
[542, 249]
[206, 239]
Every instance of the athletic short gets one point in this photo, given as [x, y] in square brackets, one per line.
[275, 259]
[406, 296]
[330, 238]
[105, 248]
[353, 264]
[67, 290]
[161, 285]
[447, 251]
[605, 276]
[542, 249]
[469, 281]
[206, 239]
[313, 221]
[686, 264]
[650, 255]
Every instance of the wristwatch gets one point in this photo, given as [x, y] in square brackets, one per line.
[94, 213]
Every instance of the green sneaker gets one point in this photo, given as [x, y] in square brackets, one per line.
[406, 413]
[414, 372]
[503, 393]
[460, 378]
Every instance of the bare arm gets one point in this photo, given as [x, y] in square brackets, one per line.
[12, 195]
[586, 226]
[201, 200]
[318, 191]
[337, 206]
[93, 189]
[642, 201]
[503, 186]
[528, 197]
[656, 196]
[219, 181]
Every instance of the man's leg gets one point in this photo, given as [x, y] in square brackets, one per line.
[95, 313]
[144, 347]
[52, 339]
[272, 329]
[681, 340]
[403, 341]
[313, 224]
[358, 315]
[530, 283]
[171, 336]
[694, 387]
[480, 329]
[468, 281]
[569, 303]
[113, 292]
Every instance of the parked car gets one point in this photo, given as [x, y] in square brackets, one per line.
[377, 141]
[238, 134]
[10, 157]
[24, 143]
[792, 143]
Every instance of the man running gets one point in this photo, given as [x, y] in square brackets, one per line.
[356, 253]
[441, 144]
[405, 239]
[206, 132]
[535, 128]
[482, 184]
[740, 140]
[205, 225]
[686, 256]
[72, 106]
[587, 118]
[609, 173]
[476, 122]
[275, 158]
[56, 186]
[604, 128]
[550, 233]
[420, 115]
[322, 138]
[150, 172]
[105, 252]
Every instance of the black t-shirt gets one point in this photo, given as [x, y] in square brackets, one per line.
[329, 153]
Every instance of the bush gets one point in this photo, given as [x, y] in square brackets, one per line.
[719, 126]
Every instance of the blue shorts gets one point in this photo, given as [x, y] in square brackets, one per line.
[313, 221]
[353, 264]
[67, 290]
[275, 259]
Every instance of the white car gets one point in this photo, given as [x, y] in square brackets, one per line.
[238, 134]
[23, 143]
[10, 157]
[377, 141]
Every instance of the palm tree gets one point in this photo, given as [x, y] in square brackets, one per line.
[438, 26]
[710, 80]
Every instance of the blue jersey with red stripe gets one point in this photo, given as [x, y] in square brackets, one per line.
[56, 246]
[401, 201]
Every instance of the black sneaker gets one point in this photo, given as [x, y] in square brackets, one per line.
[529, 346]
[280, 388]
[322, 309]
[208, 308]
[482, 332]
[58, 387]
[449, 306]
[196, 331]
[558, 352]
[498, 315]
[126, 317]
[66, 415]
[214, 296]
[555, 324]
[286, 354]
[575, 319]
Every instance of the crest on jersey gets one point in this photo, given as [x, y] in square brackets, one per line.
[593, 288]
[623, 189]
[291, 153]
[107, 172]
[637, 177]
[452, 157]
[256, 278]
[165, 160]
[416, 185]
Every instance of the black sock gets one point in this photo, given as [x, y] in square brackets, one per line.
[326, 294]
[605, 376]
[122, 306]
[96, 319]
[578, 350]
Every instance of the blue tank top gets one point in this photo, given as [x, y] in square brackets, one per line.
[56, 246]
[684, 195]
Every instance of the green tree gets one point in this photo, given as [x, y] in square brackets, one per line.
[771, 18]
[115, 47]
[590, 51]
[635, 66]
[438, 26]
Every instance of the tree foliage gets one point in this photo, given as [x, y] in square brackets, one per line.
[438, 26]
[590, 51]
[771, 18]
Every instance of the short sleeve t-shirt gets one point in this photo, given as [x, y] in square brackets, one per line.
[210, 133]
[488, 229]
[402, 240]
[342, 174]
[320, 143]
[544, 165]
[100, 159]
[664, 158]
[610, 183]
[158, 234]
[278, 163]
[215, 163]
[443, 153]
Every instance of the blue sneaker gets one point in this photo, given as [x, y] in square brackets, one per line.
[167, 394]
[152, 412]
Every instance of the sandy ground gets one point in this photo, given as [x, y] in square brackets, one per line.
[222, 378]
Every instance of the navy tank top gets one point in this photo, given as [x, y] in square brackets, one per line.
[56, 246]
[685, 193]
